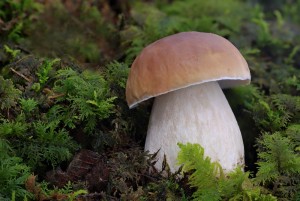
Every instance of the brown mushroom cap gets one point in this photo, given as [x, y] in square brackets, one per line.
[182, 60]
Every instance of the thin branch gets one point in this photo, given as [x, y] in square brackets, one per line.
[55, 96]
[21, 75]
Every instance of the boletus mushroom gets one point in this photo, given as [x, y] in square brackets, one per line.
[186, 72]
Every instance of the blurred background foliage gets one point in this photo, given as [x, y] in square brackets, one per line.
[63, 72]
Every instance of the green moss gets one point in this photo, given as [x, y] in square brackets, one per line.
[210, 182]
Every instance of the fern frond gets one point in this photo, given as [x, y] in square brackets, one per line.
[8, 94]
[279, 164]
[293, 132]
[288, 105]
[88, 96]
[11, 129]
[205, 172]
[28, 105]
[210, 183]
[117, 72]
[44, 70]
[13, 173]
[277, 156]
[268, 117]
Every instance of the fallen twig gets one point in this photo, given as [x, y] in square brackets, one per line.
[21, 75]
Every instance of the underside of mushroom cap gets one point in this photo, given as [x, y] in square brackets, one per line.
[183, 60]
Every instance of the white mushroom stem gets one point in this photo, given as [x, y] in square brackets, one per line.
[196, 114]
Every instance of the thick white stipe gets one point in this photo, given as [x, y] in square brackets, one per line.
[197, 114]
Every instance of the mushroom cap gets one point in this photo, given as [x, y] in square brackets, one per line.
[182, 60]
